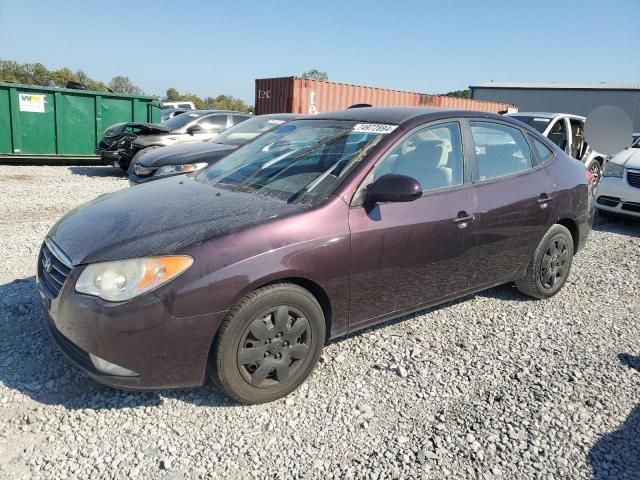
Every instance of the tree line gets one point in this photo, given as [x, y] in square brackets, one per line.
[37, 74]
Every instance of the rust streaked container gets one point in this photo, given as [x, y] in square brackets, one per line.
[299, 95]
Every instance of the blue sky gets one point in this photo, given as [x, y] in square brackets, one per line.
[214, 47]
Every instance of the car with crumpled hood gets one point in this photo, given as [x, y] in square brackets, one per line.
[116, 140]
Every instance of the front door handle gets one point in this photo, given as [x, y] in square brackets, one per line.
[463, 219]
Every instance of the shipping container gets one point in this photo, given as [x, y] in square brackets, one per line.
[60, 123]
[300, 95]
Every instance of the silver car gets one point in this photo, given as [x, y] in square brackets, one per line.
[192, 126]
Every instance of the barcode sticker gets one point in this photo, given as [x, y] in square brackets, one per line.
[374, 128]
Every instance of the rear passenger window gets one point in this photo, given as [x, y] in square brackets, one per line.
[433, 156]
[500, 150]
[543, 152]
[214, 123]
[240, 118]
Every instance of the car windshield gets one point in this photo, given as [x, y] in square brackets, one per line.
[301, 161]
[249, 129]
[539, 123]
[635, 143]
[180, 121]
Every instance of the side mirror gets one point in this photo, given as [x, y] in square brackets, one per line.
[194, 129]
[392, 187]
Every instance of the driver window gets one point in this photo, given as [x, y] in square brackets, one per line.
[433, 156]
[558, 134]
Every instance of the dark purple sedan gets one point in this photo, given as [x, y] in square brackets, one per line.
[320, 227]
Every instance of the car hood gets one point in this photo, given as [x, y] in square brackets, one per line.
[159, 218]
[181, 154]
[139, 128]
[630, 158]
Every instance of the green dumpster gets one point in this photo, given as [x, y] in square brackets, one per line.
[43, 123]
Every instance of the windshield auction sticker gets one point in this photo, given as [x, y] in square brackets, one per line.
[31, 103]
[374, 128]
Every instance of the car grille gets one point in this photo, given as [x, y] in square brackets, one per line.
[608, 201]
[631, 207]
[53, 268]
[633, 178]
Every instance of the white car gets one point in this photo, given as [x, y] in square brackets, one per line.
[566, 131]
[619, 188]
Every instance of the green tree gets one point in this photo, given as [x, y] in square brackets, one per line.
[122, 84]
[315, 74]
[62, 76]
[458, 94]
[172, 95]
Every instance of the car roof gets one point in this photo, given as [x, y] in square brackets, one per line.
[280, 116]
[393, 115]
[543, 115]
[206, 112]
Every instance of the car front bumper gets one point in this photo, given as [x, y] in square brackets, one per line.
[139, 335]
[616, 195]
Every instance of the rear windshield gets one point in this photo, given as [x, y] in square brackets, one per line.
[243, 132]
[539, 123]
[180, 121]
[300, 161]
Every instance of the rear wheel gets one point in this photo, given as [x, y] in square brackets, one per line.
[549, 267]
[268, 344]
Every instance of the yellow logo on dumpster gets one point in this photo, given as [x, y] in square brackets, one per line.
[29, 102]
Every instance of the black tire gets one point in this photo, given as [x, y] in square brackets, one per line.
[255, 338]
[550, 265]
[124, 165]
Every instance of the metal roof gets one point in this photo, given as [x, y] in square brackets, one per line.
[561, 85]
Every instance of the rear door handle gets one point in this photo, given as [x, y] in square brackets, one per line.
[463, 219]
[544, 199]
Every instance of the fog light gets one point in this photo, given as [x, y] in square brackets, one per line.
[110, 368]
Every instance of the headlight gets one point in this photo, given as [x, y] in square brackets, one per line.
[142, 171]
[125, 279]
[175, 169]
[613, 170]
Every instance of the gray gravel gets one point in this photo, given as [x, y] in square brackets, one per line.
[492, 386]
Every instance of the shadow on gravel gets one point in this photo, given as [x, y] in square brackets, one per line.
[30, 363]
[617, 224]
[617, 454]
[98, 171]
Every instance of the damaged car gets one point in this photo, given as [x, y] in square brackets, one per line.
[154, 164]
[567, 132]
[187, 127]
[115, 143]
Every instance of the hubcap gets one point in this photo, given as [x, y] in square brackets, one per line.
[595, 171]
[274, 346]
[554, 263]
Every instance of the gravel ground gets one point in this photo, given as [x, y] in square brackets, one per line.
[492, 386]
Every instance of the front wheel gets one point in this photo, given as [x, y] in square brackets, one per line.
[595, 168]
[268, 344]
[549, 267]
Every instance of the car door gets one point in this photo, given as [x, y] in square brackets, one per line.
[409, 254]
[514, 196]
[558, 133]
